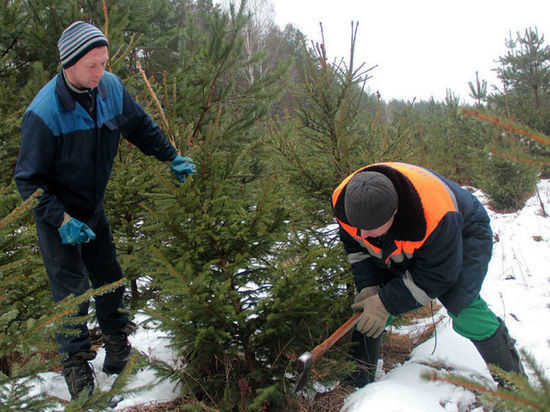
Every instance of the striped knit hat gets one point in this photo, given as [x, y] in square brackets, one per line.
[77, 40]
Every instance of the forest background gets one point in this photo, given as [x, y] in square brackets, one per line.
[237, 265]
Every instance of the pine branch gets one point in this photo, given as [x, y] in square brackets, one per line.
[157, 104]
[187, 282]
[456, 381]
[10, 267]
[119, 55]
[168, 321]
[510, 126]
[522, 158]
[166, 183]
[106, 27]
[20, 210]
[68, 305]
[522, 395]
[168, 225]
[260, 207]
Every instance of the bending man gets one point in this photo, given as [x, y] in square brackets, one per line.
[412, 236]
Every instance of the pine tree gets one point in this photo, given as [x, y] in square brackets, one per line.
[25, 289]
[333, 133]
[525, 75]
[133, 176]
[28, 317]
[236, 297]
[217, 233]
[478, 91]
[454, 144]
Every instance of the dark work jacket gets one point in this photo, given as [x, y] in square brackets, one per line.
[447, 256]
[70, 155]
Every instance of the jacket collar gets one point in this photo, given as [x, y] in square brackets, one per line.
[66, 98]
[409, 223]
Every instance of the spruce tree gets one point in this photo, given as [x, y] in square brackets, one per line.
[215, 235]
[28, 317]
[25, 289]
[512, 168]
[133, 176]
[239, 299]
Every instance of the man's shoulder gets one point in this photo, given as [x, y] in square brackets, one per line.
[110, 83]
[45, 99]
[109, 77]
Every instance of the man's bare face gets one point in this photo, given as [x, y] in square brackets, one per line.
[88, 71]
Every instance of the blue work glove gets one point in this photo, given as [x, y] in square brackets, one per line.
[182, 167]
[74, 232]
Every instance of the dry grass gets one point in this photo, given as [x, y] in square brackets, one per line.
[397, 348]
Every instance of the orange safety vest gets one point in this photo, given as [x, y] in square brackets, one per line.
[436, 197]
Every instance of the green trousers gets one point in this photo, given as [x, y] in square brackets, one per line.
[476, 321]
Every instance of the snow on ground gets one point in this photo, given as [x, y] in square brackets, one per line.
[517, 289]
[147, 340]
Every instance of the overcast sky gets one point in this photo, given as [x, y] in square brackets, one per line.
[421, 47]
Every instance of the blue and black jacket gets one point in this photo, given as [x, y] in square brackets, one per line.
[438, 246]
[70, 155]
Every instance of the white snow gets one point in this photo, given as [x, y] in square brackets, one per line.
[517, 289]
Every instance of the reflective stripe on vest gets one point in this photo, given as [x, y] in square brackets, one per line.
[436, 197]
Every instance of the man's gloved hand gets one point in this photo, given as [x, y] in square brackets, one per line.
[182, 167]
[74, 232]
[366, 292]
[374, 317]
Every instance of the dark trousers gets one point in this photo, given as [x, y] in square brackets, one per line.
[71, 269]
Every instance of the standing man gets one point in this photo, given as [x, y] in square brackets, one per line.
[412, 236]
[69, 139]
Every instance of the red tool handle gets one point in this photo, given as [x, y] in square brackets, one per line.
[320, 349]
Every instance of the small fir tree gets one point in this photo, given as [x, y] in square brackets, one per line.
[235, 295]
[513, 166]
[455, 145]
[521, 395]
[25, 289]
[133, 176]
[29, 319]
[238, 298]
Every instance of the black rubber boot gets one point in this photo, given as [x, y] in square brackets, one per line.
[78, 374]
[117, 348]
[366, 352]
[500, 350]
